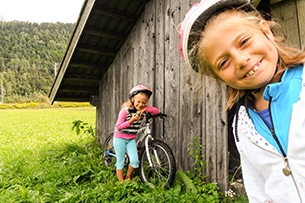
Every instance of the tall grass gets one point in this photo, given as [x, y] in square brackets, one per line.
[43, 161]
[40, 156]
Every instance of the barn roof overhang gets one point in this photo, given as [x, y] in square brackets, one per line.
[101, 29]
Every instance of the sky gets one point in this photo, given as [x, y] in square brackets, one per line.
[52, 11]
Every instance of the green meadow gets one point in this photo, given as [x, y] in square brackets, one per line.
[42, 160]
[37, 151]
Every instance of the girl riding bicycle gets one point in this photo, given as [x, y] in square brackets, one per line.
[128, 123]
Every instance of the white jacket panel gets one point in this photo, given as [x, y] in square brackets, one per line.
[262, 164]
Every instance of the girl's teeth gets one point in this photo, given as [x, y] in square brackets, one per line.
[251, 72]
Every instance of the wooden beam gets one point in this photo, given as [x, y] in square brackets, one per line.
[80, 90]
[76, 78]
[104, 33]
[105, 11]
[88, 66]
[95, 50]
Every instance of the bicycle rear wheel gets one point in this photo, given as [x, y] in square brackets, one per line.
[109, 156]
[109, 152]
[163, 170]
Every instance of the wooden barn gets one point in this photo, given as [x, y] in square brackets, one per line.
[120, 43]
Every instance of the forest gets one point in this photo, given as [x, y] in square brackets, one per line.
[30, 54]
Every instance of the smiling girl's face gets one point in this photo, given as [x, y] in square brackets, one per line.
[140, 100]
[243, 56]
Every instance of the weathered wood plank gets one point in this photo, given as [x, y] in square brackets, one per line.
[172, 100]
[286, 13]
[159, 67]
[301, 21]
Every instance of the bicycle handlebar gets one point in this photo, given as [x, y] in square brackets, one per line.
[161, 115]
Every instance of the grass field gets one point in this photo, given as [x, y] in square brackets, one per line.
[32, 130]
[32, 147]
[43, 161]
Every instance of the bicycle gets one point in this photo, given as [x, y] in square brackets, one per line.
[157, 162]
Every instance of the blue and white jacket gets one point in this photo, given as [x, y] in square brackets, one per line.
[261, 158]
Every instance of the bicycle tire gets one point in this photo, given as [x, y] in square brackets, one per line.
[110, 160]
[160, 175]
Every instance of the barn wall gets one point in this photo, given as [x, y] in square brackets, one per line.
[194, 103]
[291, 16]
[150, 56]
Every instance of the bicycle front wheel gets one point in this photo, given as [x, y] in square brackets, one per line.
[162, 171]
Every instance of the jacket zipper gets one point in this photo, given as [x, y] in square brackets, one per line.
[273, 132]
[286, 169]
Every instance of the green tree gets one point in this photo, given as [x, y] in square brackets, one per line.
[28, 52]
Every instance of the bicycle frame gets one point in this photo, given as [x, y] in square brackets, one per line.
[148, 137]
[108, 152]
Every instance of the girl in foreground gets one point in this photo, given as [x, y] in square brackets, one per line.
[230, 41]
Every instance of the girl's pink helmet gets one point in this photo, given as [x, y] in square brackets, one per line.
[196, 18]
[139, 88]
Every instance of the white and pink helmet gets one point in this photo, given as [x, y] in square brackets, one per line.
[139, 88]
[196, 18]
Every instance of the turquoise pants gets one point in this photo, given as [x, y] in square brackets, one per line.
[121, 146]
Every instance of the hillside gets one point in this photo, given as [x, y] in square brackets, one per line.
[28, 54]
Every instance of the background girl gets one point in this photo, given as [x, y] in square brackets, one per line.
[127, 125]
